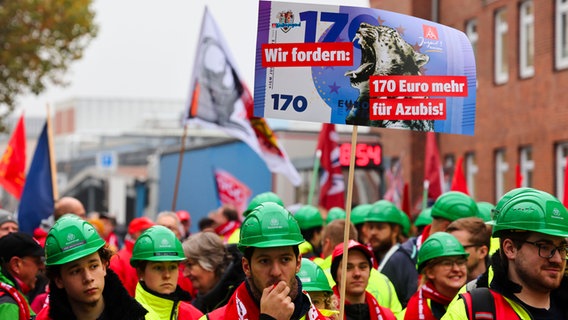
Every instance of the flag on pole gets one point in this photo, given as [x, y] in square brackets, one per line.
[332, 184]
[13, 163]
[220, 99]
[565, 197]
[518, 176]
[231, 190]
[37, 201]
[432, 167]
[405, 206]
[459, 182]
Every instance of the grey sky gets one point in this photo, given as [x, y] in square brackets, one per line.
[145, 48]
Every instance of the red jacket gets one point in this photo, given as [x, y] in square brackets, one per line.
[242, 306]
[120, 264]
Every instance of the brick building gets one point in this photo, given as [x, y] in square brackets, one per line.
[521, 49]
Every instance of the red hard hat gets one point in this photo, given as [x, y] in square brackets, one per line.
[139, 224]
[183, 215]
[337, 255]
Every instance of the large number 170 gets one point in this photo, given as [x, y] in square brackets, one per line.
[338, 23]
[283, 101]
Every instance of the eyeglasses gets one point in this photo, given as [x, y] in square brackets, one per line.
[547, 250]
[449, 263]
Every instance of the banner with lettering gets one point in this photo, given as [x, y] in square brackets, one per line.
[362, 66]
[231, 190]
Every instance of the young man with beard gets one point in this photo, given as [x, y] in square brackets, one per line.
[82, 286]
[383, 226]
[269, 241]
[528, 281]
[359, 303]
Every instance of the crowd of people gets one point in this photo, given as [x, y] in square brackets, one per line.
[458, 259]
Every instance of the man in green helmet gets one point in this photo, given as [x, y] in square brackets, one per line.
[384, 225]
[269, 241]
[82, 286]
[449, 207]
[528, 281]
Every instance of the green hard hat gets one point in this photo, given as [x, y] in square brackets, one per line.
[384, 211]
[485, 209]
[424, 218]
[69, 239]
[536, 211]
[261, 198]
[308, 217]
[335, 213]
[269, 225]
[359, 213]
[405, 220]
[453, 205]
[440, 244]
[508, 196]
[313, 277]
[157, 243]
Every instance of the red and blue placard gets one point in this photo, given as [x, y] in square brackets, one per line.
[362, 66]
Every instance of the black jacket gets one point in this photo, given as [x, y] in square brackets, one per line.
[119, 305]
[401, 270]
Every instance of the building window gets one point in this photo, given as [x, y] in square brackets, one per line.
[526, 39]
[501, 65]
[470, 172]
[527, 166]
[472, 35]
[561, 154]
[501, 168]
[561, 34]
[449, 163]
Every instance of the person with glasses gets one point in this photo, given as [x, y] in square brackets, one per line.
[442, 264]
[528, 279]
[475, 237]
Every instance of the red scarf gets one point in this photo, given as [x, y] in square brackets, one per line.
[376, 312]
[417, 307]
[242, 306]
[21, 302]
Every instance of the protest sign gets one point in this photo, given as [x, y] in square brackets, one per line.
[362, 66]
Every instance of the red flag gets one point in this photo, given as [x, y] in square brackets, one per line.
[220, 99]
[565, 198]
[13, 163]
[518, 177]
[458, 181]
[332, 185]
[432, 167]
[231, 190]
[405, 206]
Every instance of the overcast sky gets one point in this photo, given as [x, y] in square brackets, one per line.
[145, 48]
